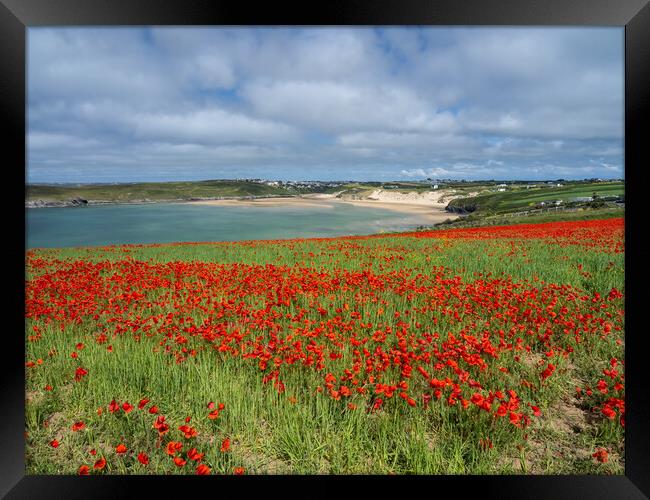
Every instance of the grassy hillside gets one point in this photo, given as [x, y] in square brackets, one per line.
[518, 197]
[474, 220]
[471, 351]
[164, 190]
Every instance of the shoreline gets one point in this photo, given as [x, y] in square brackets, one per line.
[432, 212]
[428, 210]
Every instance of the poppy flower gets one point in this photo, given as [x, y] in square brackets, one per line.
[193, 454]
[601, 455]
[100, 464]
[120, 448]
[127, 407]
[80, 373]
[143, 458]
[93, 452]
[77, 426]
[188, 432]
[179, 461]
[160, 425]
[48, 387]
[54, 443]
[84, 470]
[113, 407]
[213, 414]
[239, 471]
[174, 447]
[203, 470]
[548, 371]
[142, 403]
[608, 412]
[153, 410]
[210, 405]
[515, 418]
[225, 445]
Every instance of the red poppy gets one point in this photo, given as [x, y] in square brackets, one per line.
[77, 426]
[608, 412]
[193, 454]
[113, 407]
[80, 373]
[142, 403]
[143, 458]
[48, 387]
[100, 464]
[188, 432]
[153, 410]
[548, 371]
[238, 471]
[601, 455]
[84, 470]
[127, 407]
[225, 445]
[174, 447]
[93, 452]
[54, 443]
[179, 461]
[203, 470]
[120, 448]
[210, 405]
[213, 414]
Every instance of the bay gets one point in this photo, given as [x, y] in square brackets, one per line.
[180, 222]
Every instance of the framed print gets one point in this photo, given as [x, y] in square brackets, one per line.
[368, 244]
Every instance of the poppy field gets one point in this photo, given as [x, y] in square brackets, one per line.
[493, 350]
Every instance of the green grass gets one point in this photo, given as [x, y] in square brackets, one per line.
[163, 191]
[521, 198]
[477, 220]
[302, 431]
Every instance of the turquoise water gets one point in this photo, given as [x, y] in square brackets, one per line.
[172, 222]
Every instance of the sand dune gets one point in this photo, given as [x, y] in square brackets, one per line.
[427, 205]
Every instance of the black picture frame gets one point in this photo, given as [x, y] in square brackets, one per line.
[17, 15]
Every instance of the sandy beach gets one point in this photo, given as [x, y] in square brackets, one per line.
[426, 205]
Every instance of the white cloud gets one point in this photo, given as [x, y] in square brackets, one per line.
[474, 101]
[209, 126]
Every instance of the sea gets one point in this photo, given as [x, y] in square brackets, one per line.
[181, 222]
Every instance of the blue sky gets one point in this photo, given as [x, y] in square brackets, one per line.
[156, 104]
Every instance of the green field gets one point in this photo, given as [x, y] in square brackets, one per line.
[318, 350]
[518, 197]
[477, 220]
[162, 191]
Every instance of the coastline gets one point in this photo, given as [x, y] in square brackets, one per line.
[429, 211]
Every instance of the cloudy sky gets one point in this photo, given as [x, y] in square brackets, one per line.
[133, 104]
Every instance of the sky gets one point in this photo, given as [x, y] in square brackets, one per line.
[399, 103]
